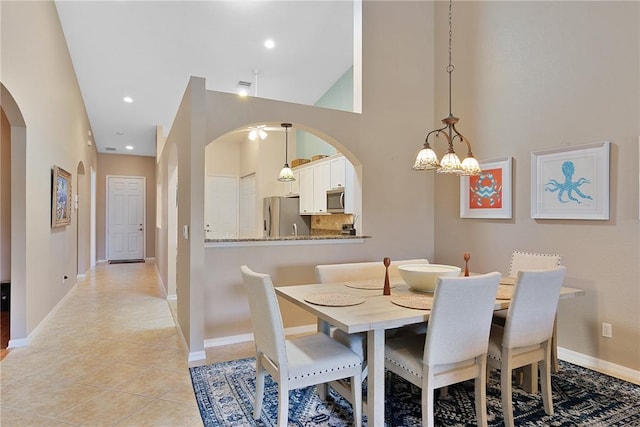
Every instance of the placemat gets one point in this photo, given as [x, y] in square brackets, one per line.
[370, 284]
[505, 292]
[411, 300]
[333, 299]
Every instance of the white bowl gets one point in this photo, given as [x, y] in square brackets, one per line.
[423, 277]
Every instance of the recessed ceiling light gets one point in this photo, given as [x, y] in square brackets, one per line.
[127, 99]
[119, 133]
[269, 44]
[129, 147]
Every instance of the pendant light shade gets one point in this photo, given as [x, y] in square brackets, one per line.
[286, 174]
[450, 163]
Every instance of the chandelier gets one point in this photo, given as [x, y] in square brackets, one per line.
[450, 163]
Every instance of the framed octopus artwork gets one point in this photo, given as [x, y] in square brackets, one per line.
[571, 182]
[487, 195]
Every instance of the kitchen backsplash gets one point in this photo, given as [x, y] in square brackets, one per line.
[329, 224]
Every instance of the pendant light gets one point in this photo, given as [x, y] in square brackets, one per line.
[450, 163]
[286, 174]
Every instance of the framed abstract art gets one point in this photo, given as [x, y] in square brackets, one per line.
[487, 195]
[571, 182]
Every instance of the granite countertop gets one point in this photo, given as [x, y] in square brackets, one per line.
[283, 238]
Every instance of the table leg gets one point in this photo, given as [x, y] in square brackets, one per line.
[375, 378]
[323, 389]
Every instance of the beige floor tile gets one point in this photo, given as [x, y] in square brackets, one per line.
[106, 409]
[110, 355]
[10, 417]
[164, 413]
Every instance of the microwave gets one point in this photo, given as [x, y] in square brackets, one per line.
[335, 200]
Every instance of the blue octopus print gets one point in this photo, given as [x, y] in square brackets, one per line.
[568, 186]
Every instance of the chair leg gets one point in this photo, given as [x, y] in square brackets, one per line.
[481, 390]
[356, 395]
[260, 372]
[545, 379]
[283, 403]
[530, 378]
[555, 367]
[505, 388]
[428, 400]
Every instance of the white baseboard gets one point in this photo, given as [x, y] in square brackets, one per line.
[23, 342]
[150, 259]
[197, 356]
[235, 339]
[101, 261]
[81, 276]
[599, 365]
[172, 297]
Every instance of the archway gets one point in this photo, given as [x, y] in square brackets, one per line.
[16, 137]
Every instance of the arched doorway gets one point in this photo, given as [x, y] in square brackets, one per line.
[14, 138]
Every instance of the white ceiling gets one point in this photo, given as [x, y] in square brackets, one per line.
[148, 50]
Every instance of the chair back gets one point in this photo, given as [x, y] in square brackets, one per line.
[532, 261]
[533, 307]
[268, 331]
[354, 271]
[460, 319]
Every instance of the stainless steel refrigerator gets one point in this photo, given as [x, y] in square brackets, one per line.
[282, 217]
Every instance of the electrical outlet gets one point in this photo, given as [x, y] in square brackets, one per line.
[607, 330]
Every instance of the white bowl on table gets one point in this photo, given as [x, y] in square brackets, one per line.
[424, 277]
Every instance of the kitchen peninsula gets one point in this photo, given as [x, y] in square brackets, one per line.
[285, 240]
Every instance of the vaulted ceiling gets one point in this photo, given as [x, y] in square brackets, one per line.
[147, 50]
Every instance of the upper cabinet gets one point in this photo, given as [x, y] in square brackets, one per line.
[322, 175]
[338, 171]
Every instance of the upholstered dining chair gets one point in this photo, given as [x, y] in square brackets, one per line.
[358, 272]
[533, 261]
[297, 362]
[455, 346]
[526, 336]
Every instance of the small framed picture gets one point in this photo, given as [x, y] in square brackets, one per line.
[60, 198]
[571, 182]
[487, 195]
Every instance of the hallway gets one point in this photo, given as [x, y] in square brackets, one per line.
[110, 356]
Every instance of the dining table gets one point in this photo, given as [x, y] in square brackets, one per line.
[361, 307]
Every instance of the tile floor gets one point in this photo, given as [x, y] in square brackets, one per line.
[110, 356]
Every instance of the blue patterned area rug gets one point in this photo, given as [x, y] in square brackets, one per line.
[581, 397]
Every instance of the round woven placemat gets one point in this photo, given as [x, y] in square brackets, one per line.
[369, 284]
[505, 292]
[333, 299]
[418, 301]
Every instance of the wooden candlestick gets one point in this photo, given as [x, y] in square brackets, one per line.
[387, 286]
[467, 257]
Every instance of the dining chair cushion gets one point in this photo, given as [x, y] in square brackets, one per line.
[355, 342]
[319, 351]
[495, 349]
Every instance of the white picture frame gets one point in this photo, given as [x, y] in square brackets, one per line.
[489, 194]
[571, 182]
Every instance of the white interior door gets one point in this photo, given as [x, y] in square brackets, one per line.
[247, 206]
[221, 207]
[125, 222]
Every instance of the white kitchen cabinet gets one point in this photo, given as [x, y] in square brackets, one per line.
[306, 190]
[321, 183]
[338, 172]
